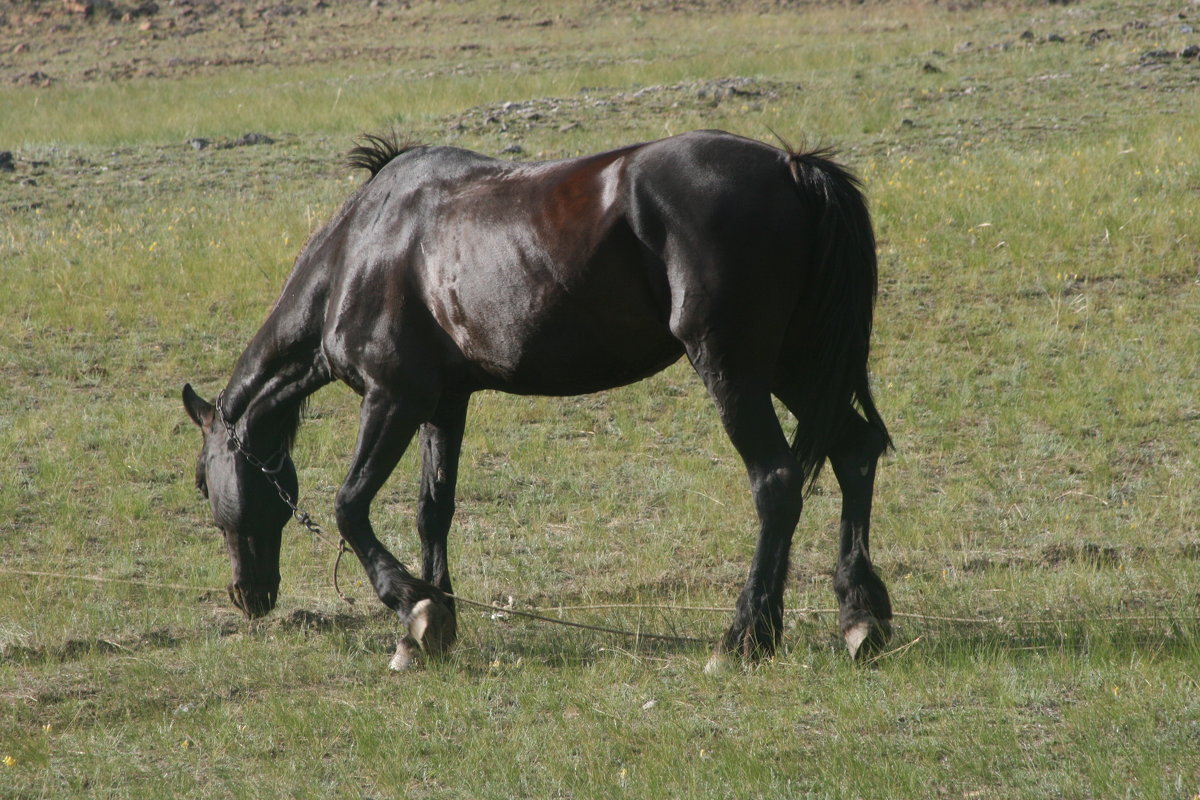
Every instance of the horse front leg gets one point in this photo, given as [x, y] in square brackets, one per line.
[384, 433]
[441, 444]
[864, 608]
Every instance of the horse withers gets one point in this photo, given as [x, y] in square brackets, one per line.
[449, 272]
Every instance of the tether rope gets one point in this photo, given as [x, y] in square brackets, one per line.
[306, 520]
[498, 609]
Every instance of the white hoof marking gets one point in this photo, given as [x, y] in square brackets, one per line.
[719, 664]
[406, 654]
[856, 636]
[418, 621]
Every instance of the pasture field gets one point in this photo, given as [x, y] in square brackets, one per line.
[1034, 173]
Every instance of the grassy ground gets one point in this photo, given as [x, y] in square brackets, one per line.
[1033, 176]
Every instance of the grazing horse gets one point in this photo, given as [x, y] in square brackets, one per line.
[449, 272]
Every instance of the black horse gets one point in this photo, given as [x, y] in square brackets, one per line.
[449, 272]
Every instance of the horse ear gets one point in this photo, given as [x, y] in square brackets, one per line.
[199, 409]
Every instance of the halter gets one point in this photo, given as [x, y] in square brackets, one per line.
[271, 473]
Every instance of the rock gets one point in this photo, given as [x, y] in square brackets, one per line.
[513, 150]
[252, 138]
[198, 143]
[39, 79]
[1191, 51]
[6, 161]
[1158, 55]
[722, 89]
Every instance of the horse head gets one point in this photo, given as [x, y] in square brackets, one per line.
[246, 503]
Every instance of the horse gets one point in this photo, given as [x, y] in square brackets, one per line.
[448, 272]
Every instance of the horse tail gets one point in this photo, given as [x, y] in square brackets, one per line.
[832, 330]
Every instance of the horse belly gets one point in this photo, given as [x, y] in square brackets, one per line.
[565, 357]
[531, 325]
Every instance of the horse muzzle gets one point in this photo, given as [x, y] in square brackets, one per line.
[251, 600]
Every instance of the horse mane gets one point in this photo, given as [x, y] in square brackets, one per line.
[374, 151]
[291, 415]
[283, 420]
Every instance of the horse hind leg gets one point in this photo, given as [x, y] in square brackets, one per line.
[864, 608]
[776, 486]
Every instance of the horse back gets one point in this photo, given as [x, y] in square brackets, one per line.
[556, 277]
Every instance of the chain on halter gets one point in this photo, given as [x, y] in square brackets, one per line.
[271, 474]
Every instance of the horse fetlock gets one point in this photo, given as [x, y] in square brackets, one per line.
[431, 632]
[761, 641]
[752, 640]
[861, 593]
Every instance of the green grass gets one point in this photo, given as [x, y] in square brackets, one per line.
[1035, 357]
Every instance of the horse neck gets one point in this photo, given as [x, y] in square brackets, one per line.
[276, 372]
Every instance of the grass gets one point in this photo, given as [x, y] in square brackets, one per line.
[1035, 202]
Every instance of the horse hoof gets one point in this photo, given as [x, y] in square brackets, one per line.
[865, 639]
[431, 625]
[718, 664]
[406, 654]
